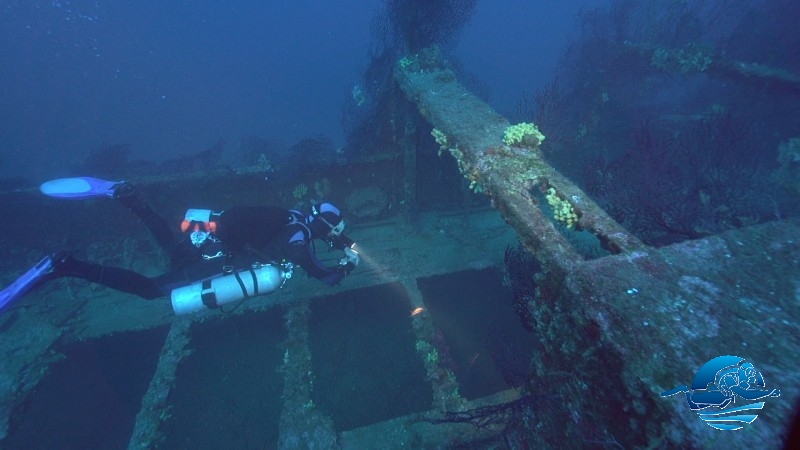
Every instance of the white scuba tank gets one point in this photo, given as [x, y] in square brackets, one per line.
[261, 279]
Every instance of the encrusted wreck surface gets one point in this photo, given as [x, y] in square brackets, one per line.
[619, 330]
[613, 332]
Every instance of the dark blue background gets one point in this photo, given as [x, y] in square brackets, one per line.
[170, 78]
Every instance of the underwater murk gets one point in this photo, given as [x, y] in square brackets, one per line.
[608, 260]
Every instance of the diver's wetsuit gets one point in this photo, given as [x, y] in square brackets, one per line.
[244, 236]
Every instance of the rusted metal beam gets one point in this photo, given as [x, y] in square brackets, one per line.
[513, 177]
[617, 331]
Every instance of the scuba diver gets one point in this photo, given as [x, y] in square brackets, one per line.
[224, 256]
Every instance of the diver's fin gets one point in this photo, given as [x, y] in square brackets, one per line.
[26, 282]
[80, 187]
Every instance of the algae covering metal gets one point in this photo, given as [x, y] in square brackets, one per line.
[507, 174]
[615, 331]
[619, 330]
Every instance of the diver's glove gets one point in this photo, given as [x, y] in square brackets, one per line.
[350, 259]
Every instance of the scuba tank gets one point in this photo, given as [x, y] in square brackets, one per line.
[260, 279]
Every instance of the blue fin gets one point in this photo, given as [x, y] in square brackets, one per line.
[25, 283]
[79, 187]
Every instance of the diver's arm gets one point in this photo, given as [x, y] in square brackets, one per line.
[342, 242]
[302, 254]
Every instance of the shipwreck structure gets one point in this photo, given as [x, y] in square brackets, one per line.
[611, 332]
[641, 318]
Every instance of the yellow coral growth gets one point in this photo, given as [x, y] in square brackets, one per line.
[523, 134]
[562, 209]
[441, 139]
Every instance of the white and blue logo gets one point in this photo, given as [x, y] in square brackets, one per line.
[717, 385]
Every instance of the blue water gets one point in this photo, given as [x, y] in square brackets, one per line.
[171, 79]
[680, 119]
